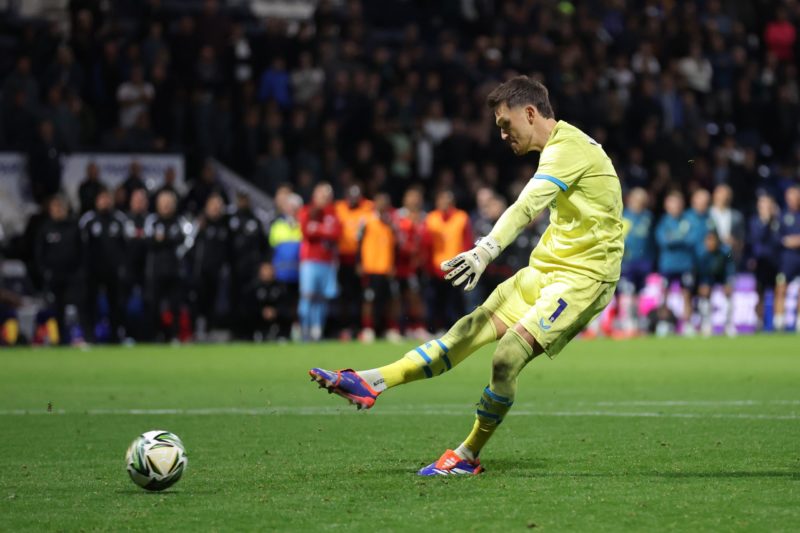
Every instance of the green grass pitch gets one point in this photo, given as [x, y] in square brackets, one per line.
[643, 435]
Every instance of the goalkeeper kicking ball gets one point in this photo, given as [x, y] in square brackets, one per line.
[156, 460]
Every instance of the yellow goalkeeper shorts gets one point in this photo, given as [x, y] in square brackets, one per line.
[552, 306]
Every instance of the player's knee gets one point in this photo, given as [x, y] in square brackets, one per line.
[508, 359]
[501, 369]
[469, 324]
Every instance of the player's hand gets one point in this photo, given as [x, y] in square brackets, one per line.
[468, 266]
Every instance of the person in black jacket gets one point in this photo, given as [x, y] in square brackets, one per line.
[90, 187]
[266, 306]
[105, 245]
[44, 163]
[211, 261]
[248, 248]
[57, 256]
[166, 235]
[135, 323]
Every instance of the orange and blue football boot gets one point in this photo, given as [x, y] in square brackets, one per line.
[450, 464]
[347, 384]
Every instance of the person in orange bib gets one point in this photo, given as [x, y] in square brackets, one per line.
[450, 233]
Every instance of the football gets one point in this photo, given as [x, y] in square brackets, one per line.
[156, 460]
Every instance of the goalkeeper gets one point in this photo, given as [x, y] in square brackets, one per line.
[571, 277]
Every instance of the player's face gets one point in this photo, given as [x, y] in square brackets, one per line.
[514, 124]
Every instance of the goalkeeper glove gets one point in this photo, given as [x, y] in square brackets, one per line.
[468, 266]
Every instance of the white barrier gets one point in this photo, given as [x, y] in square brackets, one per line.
[16, 202]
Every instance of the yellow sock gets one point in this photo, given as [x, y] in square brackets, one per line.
[511, 356]
[437, 356]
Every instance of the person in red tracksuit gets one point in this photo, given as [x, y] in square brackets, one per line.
[318, 250]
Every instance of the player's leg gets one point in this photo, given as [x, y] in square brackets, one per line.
[704, 307]
[304, 305]
[428, 360]
[570, 303]
[436, 357]
[778, 319]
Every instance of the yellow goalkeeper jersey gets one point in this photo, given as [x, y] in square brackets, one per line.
[577, 181]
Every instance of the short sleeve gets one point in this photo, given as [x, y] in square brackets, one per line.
[562, 163]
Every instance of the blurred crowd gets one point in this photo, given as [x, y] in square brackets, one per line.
[697, 102]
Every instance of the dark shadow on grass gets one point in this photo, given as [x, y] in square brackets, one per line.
[148, 492]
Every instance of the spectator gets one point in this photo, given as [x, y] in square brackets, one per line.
[166, 235]
[133, 181]
[44, 163]
[170, 184]
[285, 237]
[248, 248]
[134, 98]
[211, 263]
[136, 321]
[353, 213]
[265, 305]
[58, 255]
[90, 187]
[677, 251]
[702, 222]
[321, 231]
[780, 35]
[639, 258]
[376, 259]
[450, 234]
[789, 266]
[274, 84]
[274, 168]
[764, 237]
[728, 222]
[410, 261]
[307, 79]
[65, 73]
[104, 242]
[22, 80]
[203, 188]
[715, 268]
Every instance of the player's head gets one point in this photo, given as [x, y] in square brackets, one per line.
[383, 203]
[674, 204]
[139, 201]
[701, 199]
[445, 200]
[57, 208]
[765, 206]
[165, 203]
[523, 113]
[214, 206]
[793, 198]
[412, 199]
[354, 195]
[723, 195]
[322, 195]
[103, 201]
[638, 200]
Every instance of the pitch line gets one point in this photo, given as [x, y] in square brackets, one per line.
[340, 411]
[708, 403]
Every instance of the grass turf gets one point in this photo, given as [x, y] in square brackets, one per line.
[645, 435]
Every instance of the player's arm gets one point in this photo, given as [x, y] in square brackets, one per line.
[535, 197]
[560, 167]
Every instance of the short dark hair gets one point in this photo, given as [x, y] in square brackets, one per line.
[521, 91]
